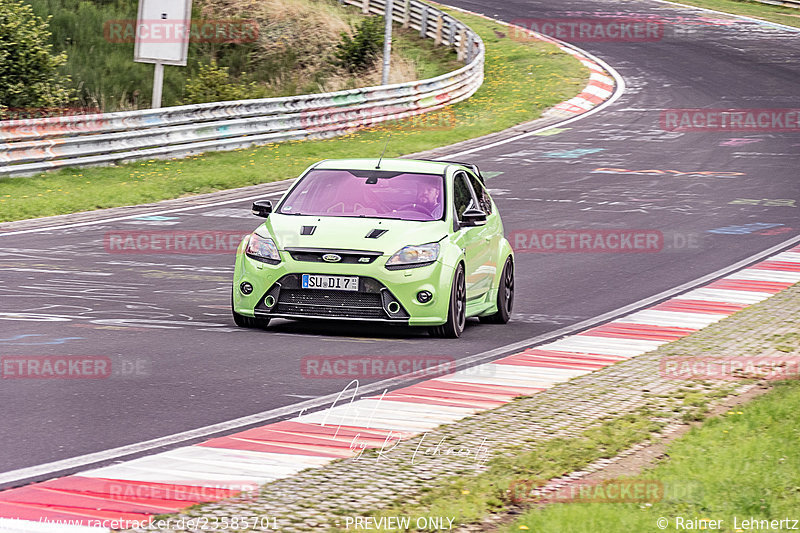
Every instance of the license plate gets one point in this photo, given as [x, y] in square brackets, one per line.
[336, 283]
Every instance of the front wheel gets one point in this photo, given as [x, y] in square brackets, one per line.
[247, 321]
[505, 296]
[457, 312]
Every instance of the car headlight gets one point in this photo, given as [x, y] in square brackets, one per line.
[263, 249]
[414, 256]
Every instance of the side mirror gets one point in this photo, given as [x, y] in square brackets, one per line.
[473, 217]
[262, 208]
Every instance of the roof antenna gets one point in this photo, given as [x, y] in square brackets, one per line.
[382, 154]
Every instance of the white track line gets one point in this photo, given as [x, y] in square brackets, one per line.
[676, 319]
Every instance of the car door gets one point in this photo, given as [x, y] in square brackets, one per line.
[492, 232]
[472, 240]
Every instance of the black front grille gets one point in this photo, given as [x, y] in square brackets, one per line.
[372, 301]
[318, 302]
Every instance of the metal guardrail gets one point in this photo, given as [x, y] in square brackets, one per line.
[785, 3]
[31, 146]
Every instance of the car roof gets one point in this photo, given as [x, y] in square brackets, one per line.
[396, 165]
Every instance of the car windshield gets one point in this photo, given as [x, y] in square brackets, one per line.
[367, 193]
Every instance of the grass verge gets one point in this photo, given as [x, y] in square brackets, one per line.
[469, 499]
[739, 466]
[522, 80]
[782, 15]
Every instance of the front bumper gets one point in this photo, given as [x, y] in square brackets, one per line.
[384, 295]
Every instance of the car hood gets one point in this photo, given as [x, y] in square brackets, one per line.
[343, 233]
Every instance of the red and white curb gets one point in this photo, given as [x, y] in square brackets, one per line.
[599, 89]
[602, 83]
[135, 491]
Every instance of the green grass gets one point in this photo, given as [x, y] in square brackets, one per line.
[431, 60]
[468, 498]
[744, 464]
[782, 15]
[522, 80]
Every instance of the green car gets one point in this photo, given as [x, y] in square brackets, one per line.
[417, 243]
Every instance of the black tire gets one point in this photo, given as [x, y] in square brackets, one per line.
[505, 296]
[248, 321]
[457, 312]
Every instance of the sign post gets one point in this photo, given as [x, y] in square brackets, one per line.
[387, 43]
[158, 85]
[162, 37]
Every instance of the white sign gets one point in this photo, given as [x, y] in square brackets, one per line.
[162, 31]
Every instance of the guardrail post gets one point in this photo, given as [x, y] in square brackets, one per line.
[439, 25]
[407, 13]
[365, 7]
[423, 26]
[470, 48]
[451, 35]
[462, 45]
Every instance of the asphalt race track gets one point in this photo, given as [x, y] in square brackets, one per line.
[717, 197]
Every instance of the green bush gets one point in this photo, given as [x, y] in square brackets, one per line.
[214, 84]
[28, 69]
[358, 53]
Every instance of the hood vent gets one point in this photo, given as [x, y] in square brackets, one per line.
[374, 234]
[308, 230]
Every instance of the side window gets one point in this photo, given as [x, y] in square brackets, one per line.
[462, 196]
[484, 200]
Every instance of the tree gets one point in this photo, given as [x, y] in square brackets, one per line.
[29, 74]
[358, 53]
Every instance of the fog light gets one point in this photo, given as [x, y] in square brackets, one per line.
[269, 301]
[246, 288]
[424, 297]
[393, 307]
